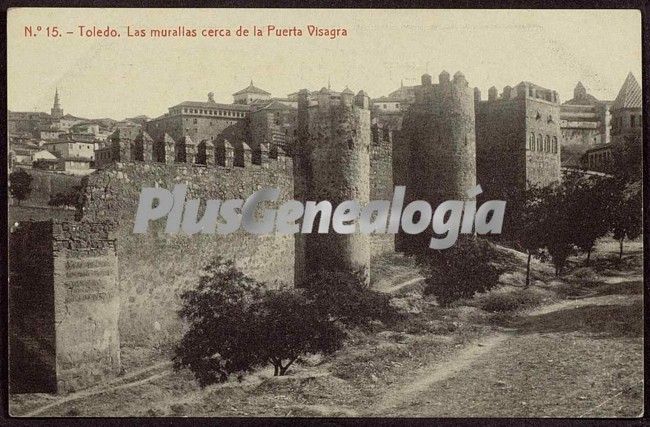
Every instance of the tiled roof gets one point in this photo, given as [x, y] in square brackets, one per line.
[213, 105]
[586, 100]
[252, 89]
[630, 94]
[403, 93]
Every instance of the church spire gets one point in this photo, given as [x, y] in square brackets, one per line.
[56, 111]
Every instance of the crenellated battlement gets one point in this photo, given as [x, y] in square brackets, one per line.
[523, 91]
[145, 149]
[448, 95]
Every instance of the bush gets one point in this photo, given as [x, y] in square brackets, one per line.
[220, 339]
[234, 325]
[71, 198]
[347, 298]
[584, 273]
[289, 327]
[461, 271]
[20, 185]
[512, 301]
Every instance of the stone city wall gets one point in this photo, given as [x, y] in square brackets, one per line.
[156, 267]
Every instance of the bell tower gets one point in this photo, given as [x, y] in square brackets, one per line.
[56, 111]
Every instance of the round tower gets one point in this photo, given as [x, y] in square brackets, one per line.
[439, 129]
[334, 139]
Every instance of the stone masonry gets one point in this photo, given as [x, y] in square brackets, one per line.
[156, 267]
[65, 305]
[334, 144]
[439, 147]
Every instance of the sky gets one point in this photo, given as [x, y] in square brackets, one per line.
[129, 76]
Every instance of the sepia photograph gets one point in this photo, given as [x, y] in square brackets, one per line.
[315, 213]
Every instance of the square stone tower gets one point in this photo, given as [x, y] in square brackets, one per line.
[63, 306]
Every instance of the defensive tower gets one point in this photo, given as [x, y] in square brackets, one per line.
[439, 132]
[333, 145]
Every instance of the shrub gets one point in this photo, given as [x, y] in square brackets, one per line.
[585, 273]
[347, 298]
[20, 185]
[234, 325]
[220, 338]
[461, 271]
[289, 327]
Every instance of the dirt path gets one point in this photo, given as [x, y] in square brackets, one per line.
[541, 367]
[127, 381]
[424, 378]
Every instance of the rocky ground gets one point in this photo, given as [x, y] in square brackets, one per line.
[565, 347]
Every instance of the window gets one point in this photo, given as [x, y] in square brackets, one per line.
[547, 144]
[555, 145]
[539, 142]
[632, 124]
[195, 121]
[531, 142]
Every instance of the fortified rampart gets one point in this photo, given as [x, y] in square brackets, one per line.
[338, 155]
[156, 267]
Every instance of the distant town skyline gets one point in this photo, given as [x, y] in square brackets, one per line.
[125, 77]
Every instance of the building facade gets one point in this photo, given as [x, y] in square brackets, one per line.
[517, 138]
[627, 114]
[585, 123]
[84, 150]
[626, 147]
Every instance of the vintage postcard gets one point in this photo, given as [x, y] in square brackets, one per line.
[325, 213]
